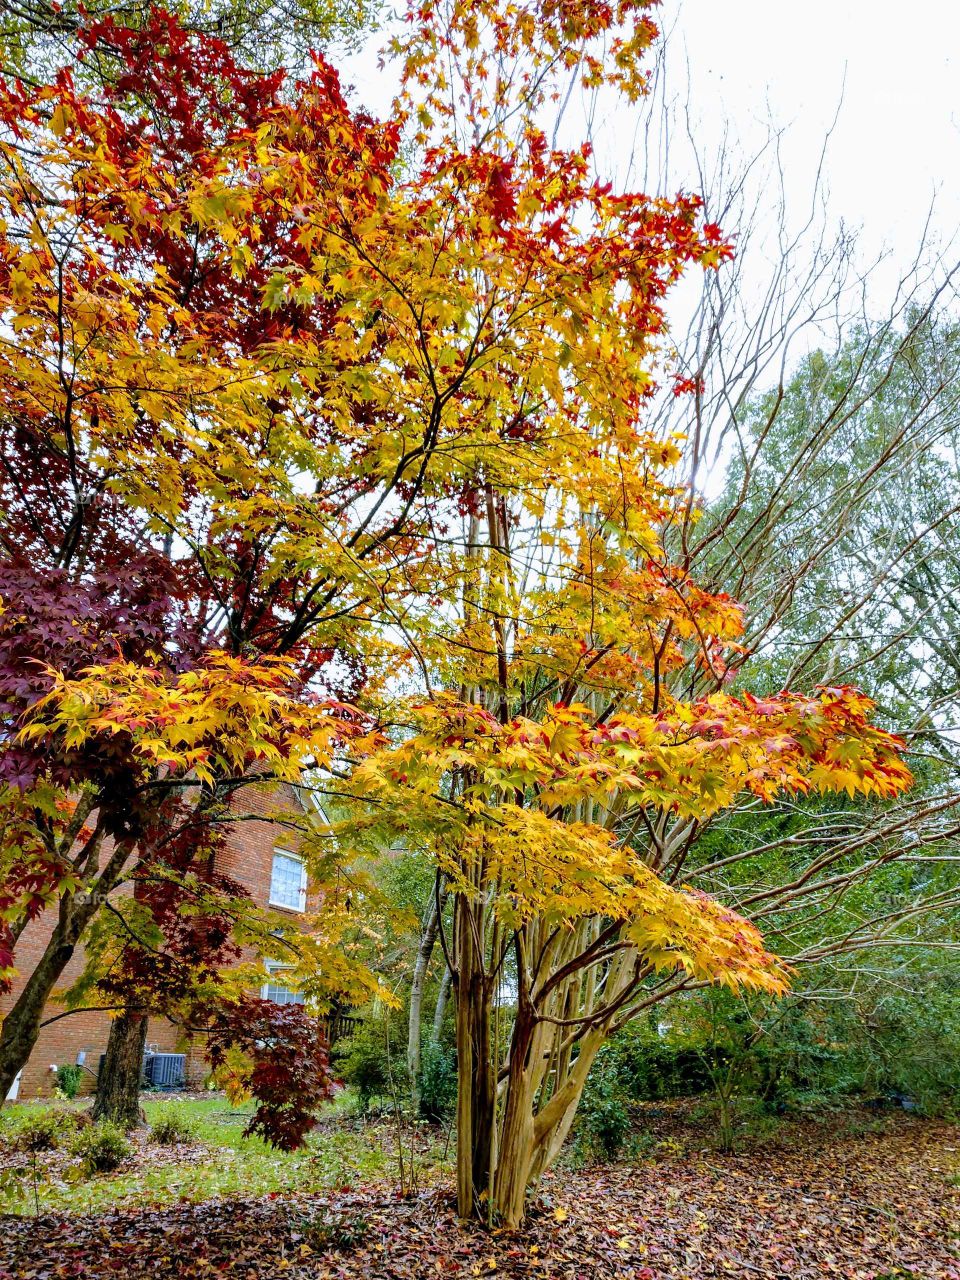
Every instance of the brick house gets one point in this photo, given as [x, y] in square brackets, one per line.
[262, 856]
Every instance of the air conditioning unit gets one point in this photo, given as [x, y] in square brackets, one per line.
[165, 1070]
[162, 1070]
[144, 1067]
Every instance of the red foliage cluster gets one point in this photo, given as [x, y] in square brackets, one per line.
[187, 103]
[127, 611]
[192, 905]
[181, 107]
[289, 1073]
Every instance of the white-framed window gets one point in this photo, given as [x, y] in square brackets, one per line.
[273, 989]
[288, 881]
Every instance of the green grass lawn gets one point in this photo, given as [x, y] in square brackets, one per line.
[343, 1151]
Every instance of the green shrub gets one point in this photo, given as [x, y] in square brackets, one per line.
[172, 1126]
[750, 1122]
[640, 1146]
[339, 1231]
[668, 1149]
[603, 1120]
[43, 1129]
[860, 1126]
[650, 1068]
[68, 1079]
[101, 1147]
[438, 1082]
[364, 1061]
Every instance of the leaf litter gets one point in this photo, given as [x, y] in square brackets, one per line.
[874, 1206]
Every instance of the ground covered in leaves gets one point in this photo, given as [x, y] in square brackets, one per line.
[829, 1198]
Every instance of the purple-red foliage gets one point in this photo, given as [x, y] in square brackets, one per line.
[48, 622]
[193, 906]
[290, 1072]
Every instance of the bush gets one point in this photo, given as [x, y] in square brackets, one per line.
[43, 1130]
[102, 1147]
[172, 1126]
[362, 1060]
[438, 1082]
[603, 1120]
[669, 1149]
[334, 1231]
[751, 1122]
[640, 1146]
[68, 1079]
[859, 1126]
[650, 1068]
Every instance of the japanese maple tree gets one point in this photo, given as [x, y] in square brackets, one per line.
[385, 418]
[560, 747]
[194, 518]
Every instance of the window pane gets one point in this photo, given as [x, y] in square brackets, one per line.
[281, 995]
[288, 882]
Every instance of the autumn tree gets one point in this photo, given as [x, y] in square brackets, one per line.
[189, 501]
[573, 725]
[819, 426]
[241, 389]
[390, 420]
[37, 37]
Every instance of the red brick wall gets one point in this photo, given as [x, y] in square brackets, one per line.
[247, 857]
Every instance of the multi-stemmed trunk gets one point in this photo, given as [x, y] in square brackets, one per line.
[513, 1118]
[532, 1132]
[509, 1146]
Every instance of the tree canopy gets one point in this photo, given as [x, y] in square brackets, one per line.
[329, 458]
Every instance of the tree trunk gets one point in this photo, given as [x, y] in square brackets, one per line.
[517, 1138]
[531, 1139]
[428, 939]
[502, 1151]
[476, 1071]
[118, 1086]
[21, 1026]
[442, 997]
[465, 1056]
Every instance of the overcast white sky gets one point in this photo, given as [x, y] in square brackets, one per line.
[896, 144]
[897, 67]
